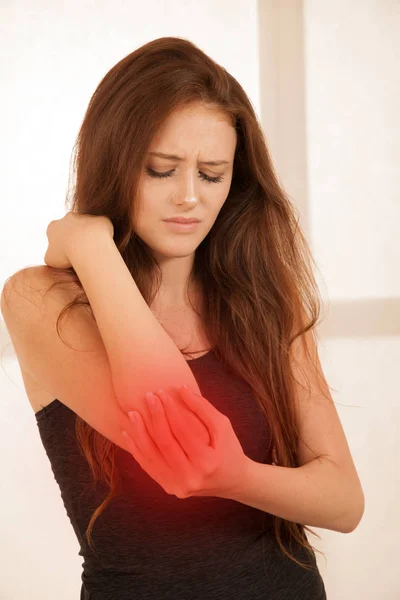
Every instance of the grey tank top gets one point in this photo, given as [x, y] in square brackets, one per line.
[149, 545]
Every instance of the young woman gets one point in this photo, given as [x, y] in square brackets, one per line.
[209, 493]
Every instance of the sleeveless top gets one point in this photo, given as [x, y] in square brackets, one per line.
[150, 545]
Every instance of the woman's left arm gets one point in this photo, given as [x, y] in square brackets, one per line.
[318, 494]
[324, 490]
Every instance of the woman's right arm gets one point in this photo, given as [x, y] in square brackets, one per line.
[142, 356]
[74, 369]
[130, 351]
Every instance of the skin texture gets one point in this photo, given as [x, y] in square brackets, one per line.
[196, 134]
[179, 461]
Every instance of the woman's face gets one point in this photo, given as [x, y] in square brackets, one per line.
[189, 188]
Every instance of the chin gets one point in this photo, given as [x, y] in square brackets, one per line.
[176, 253]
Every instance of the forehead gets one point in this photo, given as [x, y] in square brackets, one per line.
[196, 129]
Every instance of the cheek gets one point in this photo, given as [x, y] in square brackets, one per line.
[220, 200]
[150, 206]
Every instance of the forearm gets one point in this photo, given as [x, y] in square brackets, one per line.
[142, 356]
[317, 494]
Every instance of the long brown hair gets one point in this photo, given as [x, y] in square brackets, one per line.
[255, 264]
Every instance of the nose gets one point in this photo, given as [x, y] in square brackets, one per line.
[188, 190]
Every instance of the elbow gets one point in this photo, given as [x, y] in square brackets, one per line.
[354, 519]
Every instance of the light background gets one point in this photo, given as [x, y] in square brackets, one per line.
[324, 79]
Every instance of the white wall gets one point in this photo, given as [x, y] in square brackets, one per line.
[55, 55]
[352, 52]
[330, 91]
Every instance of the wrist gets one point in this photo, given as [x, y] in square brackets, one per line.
[246, 479]
[87, 241]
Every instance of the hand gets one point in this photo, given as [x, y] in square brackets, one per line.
[178, 461]
[64, 233]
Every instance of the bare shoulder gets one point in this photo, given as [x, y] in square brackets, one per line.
[33, 283]
[61, 353]
[26, 291]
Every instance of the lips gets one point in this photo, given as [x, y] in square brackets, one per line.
[181, 220]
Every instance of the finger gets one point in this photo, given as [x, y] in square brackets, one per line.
[142, 440]
[198, 453]
[170, 446]
[132, 446]
[135, 451]
[211, 417]
[189, 443]
[145, 451]
[156, 474]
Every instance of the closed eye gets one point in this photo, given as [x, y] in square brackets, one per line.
[169, 173]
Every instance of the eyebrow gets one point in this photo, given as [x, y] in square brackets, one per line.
[214, 163]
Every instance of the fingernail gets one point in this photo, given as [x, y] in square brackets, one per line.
[151, 400]
[134, 417]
